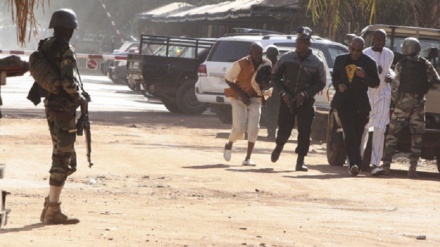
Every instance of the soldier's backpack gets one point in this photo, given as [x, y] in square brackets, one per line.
[43, 72]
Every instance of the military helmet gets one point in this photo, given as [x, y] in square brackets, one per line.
[410, 46]
[272, 51]
[64, 18]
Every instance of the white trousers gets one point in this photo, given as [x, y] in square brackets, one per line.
[377, 145]
[379, 118]
[245, 118]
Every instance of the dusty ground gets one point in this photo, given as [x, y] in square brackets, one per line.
[160, 180]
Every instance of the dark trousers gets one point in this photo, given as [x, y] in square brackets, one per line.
[304, 116]
[269, 112]
[353, 124]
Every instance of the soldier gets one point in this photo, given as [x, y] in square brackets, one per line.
[61, 111]
[299, 75]
[414, 75]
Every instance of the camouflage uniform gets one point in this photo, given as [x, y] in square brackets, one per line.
[409, 110]
[61, 110]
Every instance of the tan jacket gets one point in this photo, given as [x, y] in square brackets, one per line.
[243, 74]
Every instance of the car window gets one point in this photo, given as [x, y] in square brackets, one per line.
[229, 51]
[335, 51]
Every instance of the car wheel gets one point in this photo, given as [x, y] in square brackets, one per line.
[187, 101]
[133, 85]
[171, 107]
[223, 113]
[336, 154]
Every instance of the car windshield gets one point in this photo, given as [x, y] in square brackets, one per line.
[335, 51]
[229, 51]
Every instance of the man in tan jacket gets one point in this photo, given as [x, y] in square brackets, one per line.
[245, 94]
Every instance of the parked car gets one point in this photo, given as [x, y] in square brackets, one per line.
[211, 84]
[167, 70]
[116, 70]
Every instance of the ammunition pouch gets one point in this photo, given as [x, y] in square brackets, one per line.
[36, 93]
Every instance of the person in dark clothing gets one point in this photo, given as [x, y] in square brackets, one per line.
[269, 111]
[298, 75]
[352, 74]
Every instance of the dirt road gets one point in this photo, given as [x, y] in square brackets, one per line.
[160, 180]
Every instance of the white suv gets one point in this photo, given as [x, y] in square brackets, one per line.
[211, 82]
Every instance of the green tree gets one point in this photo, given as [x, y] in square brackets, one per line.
[335, 18]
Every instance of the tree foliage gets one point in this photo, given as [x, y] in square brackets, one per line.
[334, 18]
[23, 15]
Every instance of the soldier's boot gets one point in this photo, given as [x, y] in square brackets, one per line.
[412, 172]
[300, 164]
[43, 213]
[53, 214]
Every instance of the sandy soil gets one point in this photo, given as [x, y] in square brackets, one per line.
[160, 180]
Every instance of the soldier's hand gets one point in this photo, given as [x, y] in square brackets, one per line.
[342, 87]
[286, 99]
[360, 72]
[299, 99]
[84, 105]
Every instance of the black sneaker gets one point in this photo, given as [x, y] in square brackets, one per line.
[301, 168]
[276, 153]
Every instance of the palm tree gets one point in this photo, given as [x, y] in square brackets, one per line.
[23, 14]
[337, 17]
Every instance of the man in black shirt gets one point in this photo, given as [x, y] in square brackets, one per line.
[352, 74]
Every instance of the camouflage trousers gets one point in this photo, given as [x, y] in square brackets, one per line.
[409, 111]
[62, 127]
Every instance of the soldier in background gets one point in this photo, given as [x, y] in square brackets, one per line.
[61, 111]
[414, 75]
[270, 109]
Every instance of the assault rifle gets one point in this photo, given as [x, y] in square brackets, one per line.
[83, 126]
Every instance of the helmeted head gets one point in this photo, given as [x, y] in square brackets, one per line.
[64, 18]
[411, 46]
